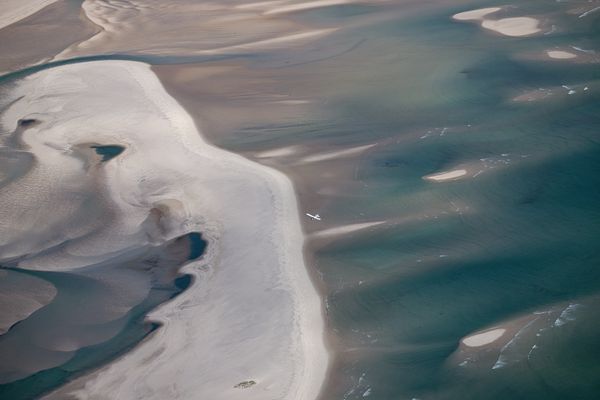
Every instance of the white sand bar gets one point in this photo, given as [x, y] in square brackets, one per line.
[12, 11]
[481, 339]
[444, 176]
[252, 313]
[345, 229]
[307, 6]
[560, 55]
[517, 26]
[475, 15]
[331, 155]
[280, 152]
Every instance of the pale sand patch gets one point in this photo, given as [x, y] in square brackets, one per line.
[534, 95]
[335, 154]
[444, 176]
[560, 55]
[307, 6]
[280, 152]
[270, 43]
[293, 102]
[345, 229]
[260, 4]
[517, 26]
[252, 312]
[203, 28]
[12, 11]
[481, 339]
[475, 14]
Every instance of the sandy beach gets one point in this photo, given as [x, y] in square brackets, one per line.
[252, 314]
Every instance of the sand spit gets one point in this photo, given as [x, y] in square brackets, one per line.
[560, 55]
[514, 27]
[481, 339]
[12, 11]
[445, 176]
[252, 313]
[475, 15]
[309, 5]
[280, 152]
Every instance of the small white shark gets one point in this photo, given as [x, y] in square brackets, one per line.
[316, 216]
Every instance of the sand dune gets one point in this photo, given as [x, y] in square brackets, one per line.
[251, 315]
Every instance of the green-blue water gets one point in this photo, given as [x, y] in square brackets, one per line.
[517, 239]
[514, 244]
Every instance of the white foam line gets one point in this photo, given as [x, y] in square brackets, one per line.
[593, 10]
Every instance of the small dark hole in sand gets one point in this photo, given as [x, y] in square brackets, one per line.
[25, 122]
[245, 384]
[197, 245]
[108, 151]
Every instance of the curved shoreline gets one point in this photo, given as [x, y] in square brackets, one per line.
[253, 313]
